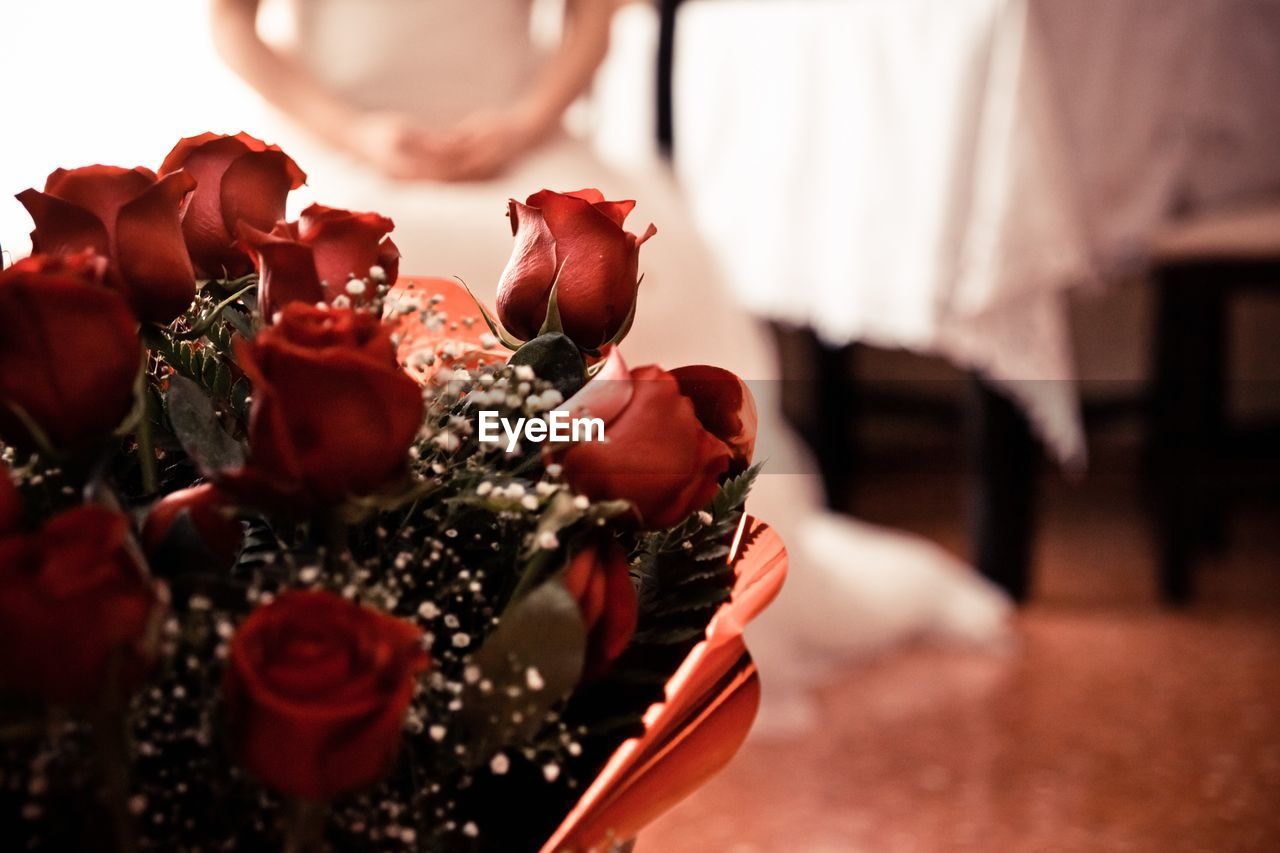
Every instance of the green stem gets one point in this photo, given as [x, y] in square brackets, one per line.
[337, 537]
[304, 826]
[147, 455]
[111, 745]
[206, 322]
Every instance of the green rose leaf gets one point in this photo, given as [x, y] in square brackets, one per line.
[195, 423]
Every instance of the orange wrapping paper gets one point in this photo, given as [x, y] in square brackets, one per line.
[711, 703]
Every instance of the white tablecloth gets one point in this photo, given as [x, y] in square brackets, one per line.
[936, 174]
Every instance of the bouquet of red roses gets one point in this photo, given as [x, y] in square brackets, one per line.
[296, 552]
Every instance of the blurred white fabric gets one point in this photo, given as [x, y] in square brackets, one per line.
[935, 175]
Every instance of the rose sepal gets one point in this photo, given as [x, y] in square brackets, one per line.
[504, 337]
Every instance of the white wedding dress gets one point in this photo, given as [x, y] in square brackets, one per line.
[853, 589]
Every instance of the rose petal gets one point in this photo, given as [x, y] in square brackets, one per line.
[724, 405]
[62, 227]
[286, 270]
[596, 284]
[344, 243]
[525, 285]
[101, 190]
[254, 189]
[151, 252]
[212, 245]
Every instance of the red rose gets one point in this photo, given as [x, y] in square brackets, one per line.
[212, 518]
[127, 216]
[317, 688]
[76, 606]
[314, 259]
[333, 414]
[69, 351]
[240, 179]
[657, 453]
[575, 240]
[439, 326]
[599, 579]
[10, 503]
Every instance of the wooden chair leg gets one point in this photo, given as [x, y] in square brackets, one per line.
[1002, 462]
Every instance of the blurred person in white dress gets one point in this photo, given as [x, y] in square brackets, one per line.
[435, 112]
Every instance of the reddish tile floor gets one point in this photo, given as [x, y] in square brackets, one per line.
[1117, 725]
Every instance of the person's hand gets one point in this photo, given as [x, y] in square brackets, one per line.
[396, 145]
[484, 144]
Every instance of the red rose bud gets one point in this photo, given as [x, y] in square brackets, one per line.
[239, 179]
[211, 516]
[10, 503]
[128, 216]
[327, 254]
[576, 241]
[76, 609]
[69, 352]
[333, 414]
[317, 688]
[658, 453]
[599, 579]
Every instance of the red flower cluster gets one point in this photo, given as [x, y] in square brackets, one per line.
[599, 579]
[576, 242]
[317, 688]
[239, 181]
[69, 352]
[128, 216]
[333, 414]
[672, 436]
[79, 617]
[317, 258]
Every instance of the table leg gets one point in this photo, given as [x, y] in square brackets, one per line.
[1002, 461]
[664, 70]
[1187, 421]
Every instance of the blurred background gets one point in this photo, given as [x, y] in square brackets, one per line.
[1021, 263]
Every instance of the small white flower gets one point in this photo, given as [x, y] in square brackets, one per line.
[356, 287]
